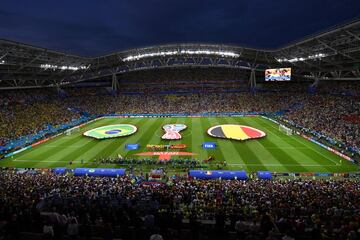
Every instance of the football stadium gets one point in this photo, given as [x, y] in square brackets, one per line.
[190, 137]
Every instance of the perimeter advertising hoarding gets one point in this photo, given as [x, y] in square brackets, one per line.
[99, 172]
[216, 174]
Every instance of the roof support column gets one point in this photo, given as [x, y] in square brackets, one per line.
[114, 83]
[313, 86]
[252, 79]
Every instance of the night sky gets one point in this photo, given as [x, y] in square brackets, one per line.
[93, 28]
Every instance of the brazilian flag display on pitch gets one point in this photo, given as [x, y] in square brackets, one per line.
[233, 131]
[111, 131]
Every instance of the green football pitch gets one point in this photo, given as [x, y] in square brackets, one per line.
[277, 152]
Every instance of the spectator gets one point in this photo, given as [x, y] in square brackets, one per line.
[73, 228]
[48, 231]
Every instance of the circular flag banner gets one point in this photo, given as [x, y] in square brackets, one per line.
[111, 131]
[237, 132]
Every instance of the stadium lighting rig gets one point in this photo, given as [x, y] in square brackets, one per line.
[181, 52]
[310, 57]
[55, 67]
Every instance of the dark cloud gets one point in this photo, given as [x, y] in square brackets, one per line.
[96, 27]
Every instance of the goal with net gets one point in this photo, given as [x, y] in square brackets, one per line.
[72, 130]
[285, 129]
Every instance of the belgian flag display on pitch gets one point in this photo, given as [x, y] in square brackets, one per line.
[237, 132]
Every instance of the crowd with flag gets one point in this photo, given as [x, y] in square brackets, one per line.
[179, 208]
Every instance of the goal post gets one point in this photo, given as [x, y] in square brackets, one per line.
[72, 130]
[286, 130]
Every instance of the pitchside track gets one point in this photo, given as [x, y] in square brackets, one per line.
[276, 152]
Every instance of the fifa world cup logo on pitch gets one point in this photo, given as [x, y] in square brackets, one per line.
[172, 131]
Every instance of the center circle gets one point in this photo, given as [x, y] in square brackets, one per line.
[115, 131]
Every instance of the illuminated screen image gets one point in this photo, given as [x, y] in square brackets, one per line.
[278, 74]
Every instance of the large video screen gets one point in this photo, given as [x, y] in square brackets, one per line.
[278, 74]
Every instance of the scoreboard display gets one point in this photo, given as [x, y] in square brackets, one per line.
[278, 74]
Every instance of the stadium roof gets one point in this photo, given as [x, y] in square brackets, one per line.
[334, 54]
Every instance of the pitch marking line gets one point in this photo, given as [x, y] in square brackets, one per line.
[45, 161]
[69, 146]
[286, 147]
[276, 165]
[336, 163]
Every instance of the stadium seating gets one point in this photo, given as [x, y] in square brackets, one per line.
[127, 208]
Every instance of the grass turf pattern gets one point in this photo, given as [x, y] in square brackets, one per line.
[276, 152]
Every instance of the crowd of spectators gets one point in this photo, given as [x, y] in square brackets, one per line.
[27, 112]
[256, 209]
[189, 103]
[184, 80]
[326, 114]
[339, 87]
[174, 163]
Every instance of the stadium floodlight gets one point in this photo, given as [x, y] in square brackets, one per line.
[181, 52]
[55, 67]
[2, 62]
[296, 59]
